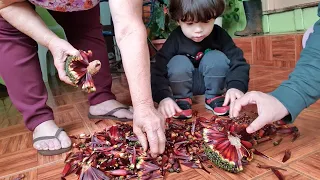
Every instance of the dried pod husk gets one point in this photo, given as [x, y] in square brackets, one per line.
[20, 177]
[117, 153]
[80, 70]
[287, 155]
[262, 166]
[278, 174]
[89, 172]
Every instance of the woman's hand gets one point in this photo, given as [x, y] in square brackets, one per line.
[149, 127]
[270, 109]
[60, 49]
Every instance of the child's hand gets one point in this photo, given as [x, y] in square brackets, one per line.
[168, 108]
[231, 95]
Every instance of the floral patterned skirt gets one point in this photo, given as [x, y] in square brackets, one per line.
[66, 5]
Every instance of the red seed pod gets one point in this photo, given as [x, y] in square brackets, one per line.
[80, 70]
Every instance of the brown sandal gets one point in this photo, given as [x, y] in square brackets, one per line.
[52, 152]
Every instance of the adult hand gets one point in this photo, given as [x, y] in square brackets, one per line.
[168, 107]
[231, 95]
[60, 49]
[270, 109]
[148, 120]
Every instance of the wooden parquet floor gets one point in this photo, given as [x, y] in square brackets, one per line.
[70, 107]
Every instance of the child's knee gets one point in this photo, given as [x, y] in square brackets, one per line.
[180, 64]
[215, 59]
[306, 36]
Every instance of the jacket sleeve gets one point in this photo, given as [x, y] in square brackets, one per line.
[159, 72]
[303, 86]
[238, 75]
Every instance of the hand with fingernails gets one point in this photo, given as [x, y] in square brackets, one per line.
[149, 127]
[60, 50]
[269, 108]
[231, 95]
[168, 108]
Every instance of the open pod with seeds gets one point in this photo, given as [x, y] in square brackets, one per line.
[225, 147]
[80, 70]
[230, 147]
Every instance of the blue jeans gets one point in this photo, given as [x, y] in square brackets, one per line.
[208, 79]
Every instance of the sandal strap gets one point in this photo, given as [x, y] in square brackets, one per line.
[49, 137]
[115, 110]
[58, 132]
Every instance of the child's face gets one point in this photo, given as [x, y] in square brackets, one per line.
[197, 31]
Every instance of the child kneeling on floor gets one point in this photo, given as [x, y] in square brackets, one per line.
[198, 58]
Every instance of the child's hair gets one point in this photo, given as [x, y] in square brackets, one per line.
[196, 10]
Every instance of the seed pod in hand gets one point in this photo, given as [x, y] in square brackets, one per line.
[80, 71]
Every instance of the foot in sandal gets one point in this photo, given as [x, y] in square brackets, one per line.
[49, 139]
[111, 109]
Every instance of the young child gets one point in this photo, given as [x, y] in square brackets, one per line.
[198, 58]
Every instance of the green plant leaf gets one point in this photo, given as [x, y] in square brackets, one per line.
[230, 15]
[236, 17]
[161, 25]
[172, 25]
[159, 17]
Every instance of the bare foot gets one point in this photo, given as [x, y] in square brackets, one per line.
[107, 106]
[49, 128]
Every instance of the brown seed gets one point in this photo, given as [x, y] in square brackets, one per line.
[287, 155]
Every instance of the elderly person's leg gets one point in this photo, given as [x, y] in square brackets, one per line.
[20, 69]
[84, 31]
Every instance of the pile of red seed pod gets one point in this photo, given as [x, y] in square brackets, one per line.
[115, 152]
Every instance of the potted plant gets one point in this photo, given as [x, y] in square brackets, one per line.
[230, 14]
[161, 24]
